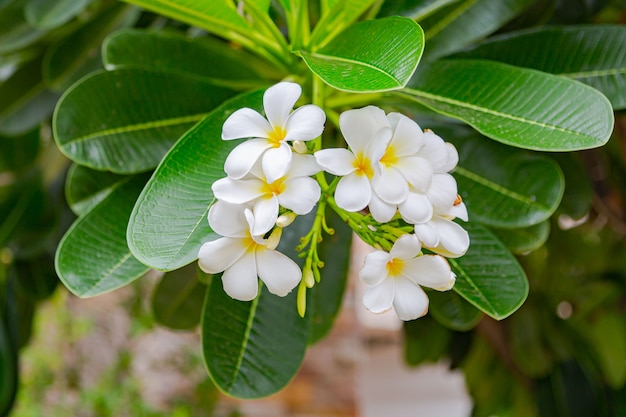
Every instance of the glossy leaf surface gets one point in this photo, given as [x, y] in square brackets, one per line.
[124, 121]
[374, 55]
[590, 54]
[177, 300]
[453, 311]
[517, 106]
[85, 188]
[488, 276]
[524, 240]
[169, 223]
[415, 9]
[93, 257]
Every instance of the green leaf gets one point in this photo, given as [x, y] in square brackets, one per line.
[77, 55]
[463, 22]
[176, 53]
[415, 9]
[326, 297]
[528, 346]
[453, 311]
[36, 277]
[520, 107]
[590, 54]
[19, 153]
[46, 14]
[252, 349]
[578, 195]
[374, 55]
[607, 335]
[15, 32]
[488, 276]
[425, 340]
[124, 121]
[338, 14]
[169, 223]
[504, 187]
[93, 257]
[86, 188]
[177, 300]
[527, 239]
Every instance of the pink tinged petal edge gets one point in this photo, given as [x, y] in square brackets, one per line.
[391, 186]
[218, 255]
[406, 247]
[453, 239]
[410, 301]
[240, 281]
[245, 123]
[374, 270]
[379, 298]
[359, 126]
[265, 215]
[300, 195]
[338, 161]
[279, 272]
[381, 212]
[407, 136]
[278, 101]
[416, 209]
[431, 271]
[303, 166]
[241, 159]
[228, 219]
[237, 191]
[353, 192]
[276, 162]
[305, 123]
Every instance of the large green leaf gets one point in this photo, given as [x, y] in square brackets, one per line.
[93, 257]
[425, 340]
[463, 22]
[252, 349]
[504, 187]
[590, 54]
[174, 52]
[85, 188]
[374, 55]
[77, 55]
[177, 300]
[126, 120]
[453, 311]
[488, 276]
[48, 14]
[516, 106]
[415, 9]
[169, 223]
[526, 239]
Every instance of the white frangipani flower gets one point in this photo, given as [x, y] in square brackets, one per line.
[395, 278]
[295, 191]
[270, 136]
[441, 234]
[244, 257]
[367, 132]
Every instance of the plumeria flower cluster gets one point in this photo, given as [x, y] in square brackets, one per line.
[392, 186]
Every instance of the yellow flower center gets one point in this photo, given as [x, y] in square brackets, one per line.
[389, 158]
[250, 244]
[274, 188]
[394, 267]
[276, 136]
[363, 165]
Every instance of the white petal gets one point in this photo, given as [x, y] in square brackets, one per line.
[407, 136]
[453, 239]
[391, 186]
[379, 299]
[453, 158]
[435, 150]
[300, 195]
[359, 126]
[459, 210]
[278, 101]
[245, 123]
[306, 123]
[241, 159]
[303, 166]
[416, 171]
[279, 272]
[443, 191]
[406, 247]
[338, 161]
[427, 234]
[410, 301]
[431, 271]
[381, 212]
[416, 209]
[265, 215]
[228, 219]
[218, 255]
[374, 269]
[353, 192]
[237, 191]
[240, 280]
[377, 147]
[276, 162]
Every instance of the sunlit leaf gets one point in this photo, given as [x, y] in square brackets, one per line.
[516, 106]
